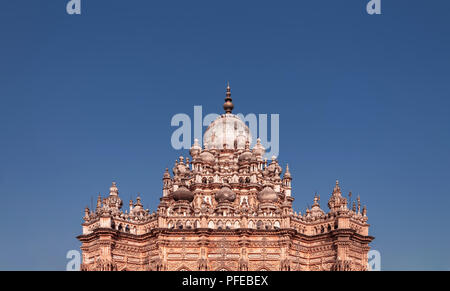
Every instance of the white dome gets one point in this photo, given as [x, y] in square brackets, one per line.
[227, 129]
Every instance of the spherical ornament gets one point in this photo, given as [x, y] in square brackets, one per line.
[207, 157]
[267, 195]
[225, 194]
[182, 193]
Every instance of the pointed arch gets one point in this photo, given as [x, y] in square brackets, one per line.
[183, 268]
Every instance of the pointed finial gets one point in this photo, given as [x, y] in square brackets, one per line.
[337, 189]
[138, 200]
[113, 189]
[166, 174]
[316, 199]
[287, 173]
[99, 201]
[359, 204]
[228, 105]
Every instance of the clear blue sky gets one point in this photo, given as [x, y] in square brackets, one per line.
[88, 99]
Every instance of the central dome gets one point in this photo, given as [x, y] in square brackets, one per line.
[229, 130]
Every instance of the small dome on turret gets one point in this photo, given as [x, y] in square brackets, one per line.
[267, 195]
[113, 189]
[195, 149]
[225, 194]
[259, 149]
[207, 157]
[247, 154]
[183, 193]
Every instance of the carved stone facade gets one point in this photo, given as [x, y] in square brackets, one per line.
[227, 208]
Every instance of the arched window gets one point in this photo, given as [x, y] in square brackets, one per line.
[251, 224]
[237, 224]
[276, 225]
[179, 225]
[120, 227]
[220, 224]
[197, 224]
[228, 225]
[211, 224]
[259, 224]
[127, 228]
[188, 224]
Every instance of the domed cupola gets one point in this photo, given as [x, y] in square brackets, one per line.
[228, 130]
[207, 157]
[225, 194]
[267, 195]
[247, 154]
[259, 149]
[195, 149]
[183, 193]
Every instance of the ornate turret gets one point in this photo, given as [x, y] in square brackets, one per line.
[287, 180]
[86, 213]
[337, 202]
[195, 149]
[112, 203]
[113, 189]
[316, 211]
[166, 182]
[99, 202]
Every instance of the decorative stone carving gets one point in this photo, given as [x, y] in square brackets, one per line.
[232, 204]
